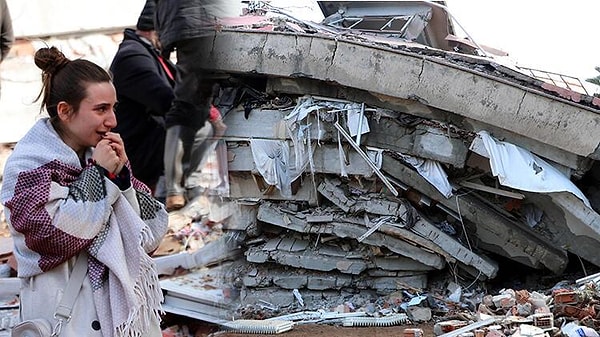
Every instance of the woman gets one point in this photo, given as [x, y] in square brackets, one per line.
[68, 191]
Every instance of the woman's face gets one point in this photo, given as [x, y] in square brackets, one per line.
[96, 116]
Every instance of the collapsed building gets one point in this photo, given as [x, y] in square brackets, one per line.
[366, 152]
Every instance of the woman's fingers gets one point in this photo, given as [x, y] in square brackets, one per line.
[114, 137]
[116, 143]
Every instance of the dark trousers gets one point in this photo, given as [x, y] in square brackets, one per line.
[193, 88]
[189, 134]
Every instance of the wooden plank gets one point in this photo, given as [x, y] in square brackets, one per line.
[493, 190]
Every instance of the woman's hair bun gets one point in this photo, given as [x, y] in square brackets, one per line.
[50, 59]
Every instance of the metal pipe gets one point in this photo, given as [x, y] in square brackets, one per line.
[360, 123]
[367, 159]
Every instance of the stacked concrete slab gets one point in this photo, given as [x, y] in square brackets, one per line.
[342, 221]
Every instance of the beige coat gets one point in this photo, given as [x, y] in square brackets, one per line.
[41, 294]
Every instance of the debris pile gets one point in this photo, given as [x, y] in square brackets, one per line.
[322, 214]
[362, 164]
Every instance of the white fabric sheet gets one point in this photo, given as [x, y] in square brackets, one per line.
[271, 158]
[518, 168]
[433, 172]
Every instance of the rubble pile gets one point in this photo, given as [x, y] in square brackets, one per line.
[363, 163]
[322, 215]
[567, 309]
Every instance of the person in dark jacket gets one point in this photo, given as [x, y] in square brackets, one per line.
[144, 82]
[184, 26]
[7, 37]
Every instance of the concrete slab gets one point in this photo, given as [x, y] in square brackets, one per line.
[398, 73]
[271, 214]
[326, 159]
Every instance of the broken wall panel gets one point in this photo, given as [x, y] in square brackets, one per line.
[244, 185]
[269, 275]
[323, 257]
[567, 223]
[226, 247]
[496, 233]
[326, 159]
[243, 215]
[268, 124]
[313, 261]
[436, 144]
[331, 189]
[409, 218]
[421, 141]
[263, 122]
[275, 298]
[566, 220]
[581, 220]
[488, 267]
[270, 214]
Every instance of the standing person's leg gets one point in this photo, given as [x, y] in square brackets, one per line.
[173, 161]
[186, 117]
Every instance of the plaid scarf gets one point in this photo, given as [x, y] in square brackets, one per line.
[56, 209]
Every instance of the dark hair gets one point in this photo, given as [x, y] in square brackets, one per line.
[64, 79]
